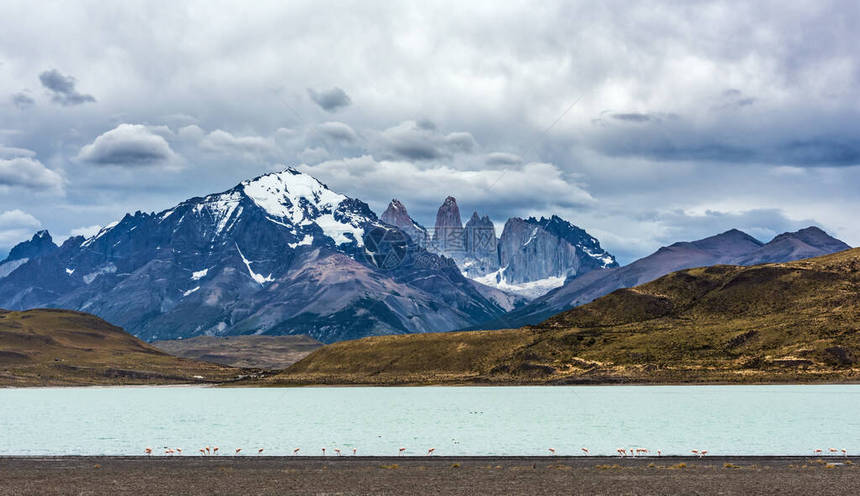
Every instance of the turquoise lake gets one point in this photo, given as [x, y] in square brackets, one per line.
[750, 420]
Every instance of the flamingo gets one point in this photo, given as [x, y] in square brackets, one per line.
[659, 453]
[323, 450]
[337, 452]
[260, 451]
[207, 450]
[585, 450]
[430, 451]
[148, 451]
[179, 450]
[703, 452]
[833, 451]
[238, 450]
[354, 451]
[621, 452]
[695, 452]
[202, 452]
[401, 451]
[844, 452]
[215, 450]
[552, 451]
[295, 451]
[816, 452]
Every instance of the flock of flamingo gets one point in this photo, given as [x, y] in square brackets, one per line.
[622, 452]
[213, 451]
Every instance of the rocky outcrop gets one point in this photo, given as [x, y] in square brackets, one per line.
[396, 215]
[448, 231]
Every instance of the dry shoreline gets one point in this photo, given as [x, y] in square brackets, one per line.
[728, 475]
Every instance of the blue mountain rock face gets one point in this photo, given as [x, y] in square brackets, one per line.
[531, 257]
[277, 254]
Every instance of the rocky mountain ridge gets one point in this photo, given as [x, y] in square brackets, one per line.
[277, 254]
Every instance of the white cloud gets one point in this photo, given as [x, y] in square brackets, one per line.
[16, 226]
[29, 173]
[131, 145]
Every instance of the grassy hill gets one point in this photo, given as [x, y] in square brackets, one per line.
[797, 321]
[61, 347]
[266, 352]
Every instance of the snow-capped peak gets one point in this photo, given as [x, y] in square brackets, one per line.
[294, 199]
[281, 195]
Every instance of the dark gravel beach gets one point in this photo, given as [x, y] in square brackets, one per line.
[422, 475]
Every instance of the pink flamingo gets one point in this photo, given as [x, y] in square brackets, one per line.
[260, 451]
[552, 451]
[323, 450]
[238, 450]
[148, 451]
[207, 450]
[817, 452]
[844, 452]
[431, 451]
[585, 450]
[215, 450]
[337, 452]
[296, 451]
[354, 451]
[695, 452]
[703, 452]
[179, 450]
[659, 453]
[401, 452]
[202, 452]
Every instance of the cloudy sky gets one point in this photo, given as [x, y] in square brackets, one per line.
[645, 123]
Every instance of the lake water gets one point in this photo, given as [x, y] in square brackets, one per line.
[754, 420]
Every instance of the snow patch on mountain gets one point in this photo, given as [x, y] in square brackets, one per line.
[257, 277]
[108, 268]
[9, 267]
[101, 233]
[531, 289]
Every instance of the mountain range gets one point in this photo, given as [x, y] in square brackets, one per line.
[732, 247]
[277, 254]
[282, 254]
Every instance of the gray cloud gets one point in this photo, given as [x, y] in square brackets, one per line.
[62, 88]
[12, 152]
[500, 158]
[128, 145]
[29, 173]
[336, 132]
[220, 141]
[764, 98]
[421, 141]
[330, 100]
[22, 100]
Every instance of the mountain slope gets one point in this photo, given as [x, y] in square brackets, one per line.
[61, 347]
[794, 321]
[277, 254]
[731, 247]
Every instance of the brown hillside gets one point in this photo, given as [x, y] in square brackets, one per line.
[788, 322]
[61, 347]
